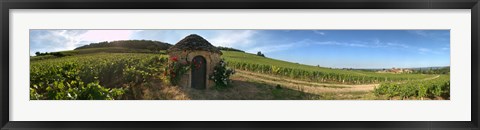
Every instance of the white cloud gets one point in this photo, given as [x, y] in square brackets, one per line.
[169, 36]
[419, 32]
[271, 48]
[60, 40]
[427, 51]
[227, 38]
[267, 48]
[318, 32]
[373, 44]
[349, 44]
[424, 50]
[443, 36]
[54, 40]
[234, 38]
[377, 42]
[105, 35]
[398, 45]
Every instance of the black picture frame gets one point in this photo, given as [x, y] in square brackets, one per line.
[6, 5]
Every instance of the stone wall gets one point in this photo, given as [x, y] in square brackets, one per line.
[212, 60]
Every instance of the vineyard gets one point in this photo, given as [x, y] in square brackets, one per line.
[109, 75]
[438, 87]
[253, 63]
[98, 76]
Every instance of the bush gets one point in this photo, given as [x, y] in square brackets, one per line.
[63, 82]
[221, 75]
[229, 49]
[175, 70]
[260, 54]
[101, 76]
[439, 87]
[57, 54]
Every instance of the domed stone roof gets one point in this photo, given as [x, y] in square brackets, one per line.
[194, 42]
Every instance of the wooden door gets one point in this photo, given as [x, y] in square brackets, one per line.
[199, 72]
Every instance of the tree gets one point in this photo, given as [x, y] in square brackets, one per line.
[259, 53]
[37, 53]
[229, 49]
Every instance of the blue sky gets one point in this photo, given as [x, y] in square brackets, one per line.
[328, 48]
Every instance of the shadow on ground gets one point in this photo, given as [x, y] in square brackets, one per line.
[240, 89]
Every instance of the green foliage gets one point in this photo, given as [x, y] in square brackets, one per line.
[50, 55]
[57, 54]
[109, 50]
[439, 87]
[443, 70]
[254, 63]
[260, 54]
[34, 58]
[175, 69]
[62, 82]
[221, 75]
[229, 49]
[92, 77]
[131, 44]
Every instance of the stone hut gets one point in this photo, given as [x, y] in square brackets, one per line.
[196, 49]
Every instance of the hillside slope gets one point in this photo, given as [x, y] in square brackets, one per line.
[131, 44]
[252, 62]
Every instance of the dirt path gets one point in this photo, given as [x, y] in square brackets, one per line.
[309, 87]
[431, 78]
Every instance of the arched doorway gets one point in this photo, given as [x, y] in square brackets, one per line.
[199, 72]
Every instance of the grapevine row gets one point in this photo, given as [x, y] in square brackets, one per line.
[319, 76]
[438, 87]
[106, 76]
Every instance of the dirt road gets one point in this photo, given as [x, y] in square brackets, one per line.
[309, 87]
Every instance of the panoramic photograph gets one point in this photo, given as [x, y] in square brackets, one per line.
[239, 64]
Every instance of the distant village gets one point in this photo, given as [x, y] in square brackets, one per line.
[395, 70]
[392, 70]
[420, 70]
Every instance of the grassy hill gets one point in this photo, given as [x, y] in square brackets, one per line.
[238, 59]
[109, 50]
[131, 44]
[125, 46]
[254, 63]
[233, 56]
[250, 62]
[252, 58]
[126, 73]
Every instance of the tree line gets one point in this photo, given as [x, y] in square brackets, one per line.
[132, 44]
